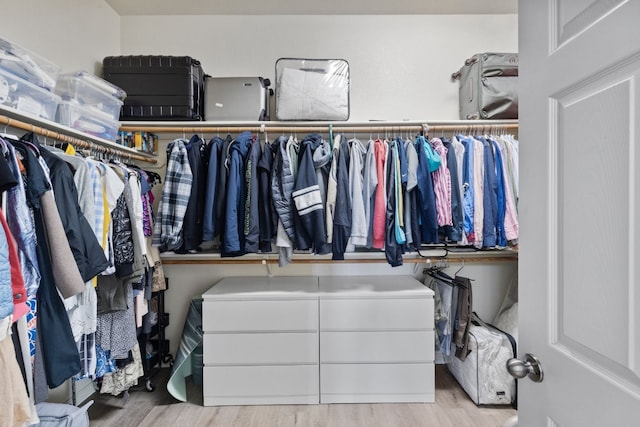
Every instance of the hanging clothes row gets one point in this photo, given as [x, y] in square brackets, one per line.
[82, 230]
[338, 196]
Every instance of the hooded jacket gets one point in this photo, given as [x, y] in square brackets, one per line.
[359, 224]
[252, 213]
[308, 199]
[426, 195]
[234, 220]
[342, 212]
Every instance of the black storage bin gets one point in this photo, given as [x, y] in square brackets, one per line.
[158, 87]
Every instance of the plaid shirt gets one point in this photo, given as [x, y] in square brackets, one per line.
[167, 233]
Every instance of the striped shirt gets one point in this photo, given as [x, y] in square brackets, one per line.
[442, 185]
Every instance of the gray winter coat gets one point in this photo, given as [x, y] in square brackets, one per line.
[282, 182]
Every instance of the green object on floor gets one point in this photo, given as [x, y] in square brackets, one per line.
[189, 357]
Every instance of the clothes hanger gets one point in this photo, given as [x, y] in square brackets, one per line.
[6, 135]
[460, 269]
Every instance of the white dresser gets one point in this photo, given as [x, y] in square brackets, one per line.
[376, 340]
[261, 341]
[304, 340]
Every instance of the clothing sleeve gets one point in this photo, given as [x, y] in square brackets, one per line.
[86, 251]
[7, 179]
[308, 203]
[342, 213]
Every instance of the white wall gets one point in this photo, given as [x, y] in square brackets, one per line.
[74, 34]
[400, 65]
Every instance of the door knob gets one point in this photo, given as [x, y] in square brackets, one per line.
[530, 367]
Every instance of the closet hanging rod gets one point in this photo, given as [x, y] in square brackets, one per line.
[188, 260]
[76, 142]
[280, 127]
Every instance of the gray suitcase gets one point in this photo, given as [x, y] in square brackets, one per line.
[488, 86]
[236, 98]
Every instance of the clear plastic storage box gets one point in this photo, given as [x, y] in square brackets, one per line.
[28, 65]
[312, 89]
[26, 97]
[89, 90]
[88, 119]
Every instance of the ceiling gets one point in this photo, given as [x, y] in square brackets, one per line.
[312, 7]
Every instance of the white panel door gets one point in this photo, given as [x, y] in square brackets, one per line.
[579, 206]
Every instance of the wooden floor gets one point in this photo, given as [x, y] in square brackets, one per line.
[452, 408]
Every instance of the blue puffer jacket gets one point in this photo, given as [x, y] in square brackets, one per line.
[6, 293]
[233, 240]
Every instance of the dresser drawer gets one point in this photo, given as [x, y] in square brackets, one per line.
[354, 383]
[256, 315]
[235, 385]
[267, 348]
[377, 347]
[352, 314]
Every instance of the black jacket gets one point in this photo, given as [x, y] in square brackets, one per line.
[252, 216]
[192, 226]
[265, 205]
[87, 252]
[342, 211]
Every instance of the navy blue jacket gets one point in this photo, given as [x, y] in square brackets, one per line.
[252, 213]
[308, 201]
[209, 218]
[392, 250]
[234, 219]
[221, 188]
[426, 196]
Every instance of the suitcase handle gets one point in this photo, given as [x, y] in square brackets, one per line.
[467, 62]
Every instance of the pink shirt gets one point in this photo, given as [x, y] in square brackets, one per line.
[442, 185]
[380, 205]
